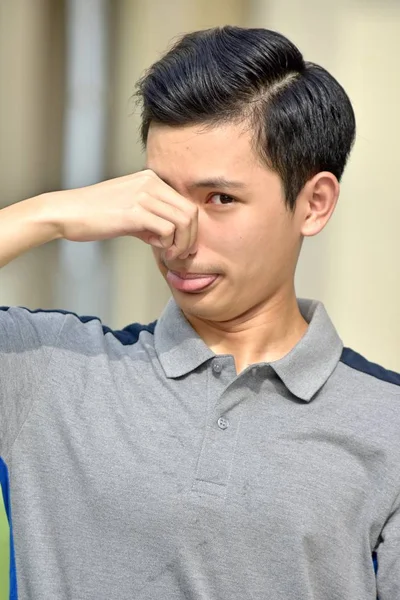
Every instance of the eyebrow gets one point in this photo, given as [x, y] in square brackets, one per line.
[216, 182]
[219, 182]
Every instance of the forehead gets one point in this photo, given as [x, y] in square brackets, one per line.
[196, 151]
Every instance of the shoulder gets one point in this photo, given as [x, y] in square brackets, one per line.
[49, 325]
[370, 397]
[370, 370]
[370, 385]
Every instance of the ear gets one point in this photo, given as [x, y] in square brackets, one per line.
[318, 199]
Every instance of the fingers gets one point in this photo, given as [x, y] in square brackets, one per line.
[187, 219]
[179, 212]
[156, 201]
[161, 231]
[185, 235]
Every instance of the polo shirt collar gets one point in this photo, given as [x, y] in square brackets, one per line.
[308, 366]
[179, 347]
[304, 370]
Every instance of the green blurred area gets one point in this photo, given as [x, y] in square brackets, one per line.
[4, 552]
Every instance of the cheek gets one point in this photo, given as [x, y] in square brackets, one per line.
[247, 241]
[223, 243]
[239, 250]
[263, 247]
[224, 232]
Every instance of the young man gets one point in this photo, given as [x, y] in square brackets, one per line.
[234, 449]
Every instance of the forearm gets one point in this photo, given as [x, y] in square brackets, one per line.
[25, 225]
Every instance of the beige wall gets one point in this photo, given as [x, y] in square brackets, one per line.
[31, 100]
[352, 266]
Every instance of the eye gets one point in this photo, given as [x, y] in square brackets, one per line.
[220, 199]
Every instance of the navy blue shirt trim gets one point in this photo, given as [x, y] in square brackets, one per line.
[127, 336]
[359, 363]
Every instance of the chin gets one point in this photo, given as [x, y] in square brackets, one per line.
[193, 303]
[203, 306]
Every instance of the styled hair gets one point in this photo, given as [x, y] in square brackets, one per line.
[301, 118]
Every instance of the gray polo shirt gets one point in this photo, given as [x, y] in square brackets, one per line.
[143, 467]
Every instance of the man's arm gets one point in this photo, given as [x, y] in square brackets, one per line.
[140, 205]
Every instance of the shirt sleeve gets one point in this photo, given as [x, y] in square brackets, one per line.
[388, 556]
[27, 340]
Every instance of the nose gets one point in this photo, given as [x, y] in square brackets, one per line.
[191, 252]
[202, 228]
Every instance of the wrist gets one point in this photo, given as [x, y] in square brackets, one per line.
[44, 212]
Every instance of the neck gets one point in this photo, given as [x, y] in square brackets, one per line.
[265, 333]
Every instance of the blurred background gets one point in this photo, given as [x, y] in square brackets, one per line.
[67, 119]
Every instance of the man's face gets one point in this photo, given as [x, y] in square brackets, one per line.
[246, 235]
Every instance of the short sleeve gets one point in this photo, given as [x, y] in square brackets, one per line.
[388, 557]
[27, 340]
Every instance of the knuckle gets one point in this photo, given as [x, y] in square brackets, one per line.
[146, 178]
[147, 174]
[184, 220]
[168, 229]
[143, 196]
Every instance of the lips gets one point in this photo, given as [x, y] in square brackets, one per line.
[190, 282]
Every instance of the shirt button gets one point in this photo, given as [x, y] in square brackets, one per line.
[217, 367]
[223, 423]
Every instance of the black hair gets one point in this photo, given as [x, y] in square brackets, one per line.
[302, 119]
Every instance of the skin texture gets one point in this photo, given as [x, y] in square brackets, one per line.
[246, 235]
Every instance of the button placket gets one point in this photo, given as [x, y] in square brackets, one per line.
[223, 423]
[217, 367]
[219, 443]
